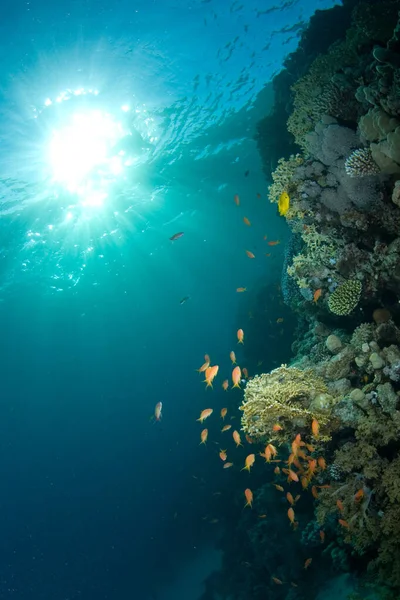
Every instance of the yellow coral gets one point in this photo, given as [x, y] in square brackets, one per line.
[285, 395]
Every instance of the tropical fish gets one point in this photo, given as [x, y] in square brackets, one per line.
[277, 427]
[226, 428]
[248, 439]
[249, 497]
[245, 372]
[157, 411]
[207, 358]
[205, 414]
[315, 428]
[176, 236]
[237, 438]
[241, 289]
[203, 367]
[290, 498]
[204, 436]
[290, 514]
[278, 487]
[236, 375]
[225, 385]
[283, 203]
[340, 506]
[211, 373]
[240, 336]
[280, 320]
[249, 462]
[185, 299]
[293, 476]
[317, 294]
[307, 563]
[277, 581]
[322, 536]
[359, 495]
[223, 412]
[236, 199]
[343, 523]
[321, 463]
[222, 455]
[232, 356]
[273, 242]
[246, 221]
[228, 465]
[250, 254]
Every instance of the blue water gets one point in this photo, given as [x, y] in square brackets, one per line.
[97, 501]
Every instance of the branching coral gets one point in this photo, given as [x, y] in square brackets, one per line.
[289, 396]
[282, 177]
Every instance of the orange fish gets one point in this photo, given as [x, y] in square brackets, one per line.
[278, 487]
[250, 254]
[248, 439]
[245, 372]
[277, 470]
[203, 367]
[321, 463]
[359, 495]
[273, 243]
[340, 506]
[314, 491]
[249, 462]
[246, 221]
[290, 514]
[237, 439]
[232, 356]
[205, 414]
[277, 427]
[223, 412]
[236, 375]
[315, 428]
[226, 428]
[240, 336]
[204, 436]
[222, 455]
[211, 373]
[317, 295]
[225, 385]
[207, 358]
[277, 581]
[344, 523]
[236, 199]
[293, 476]
[249, 497]
[307, 563]
[157, 411]
[241, 289]
[228, 465]
[322, 536]
[290, 498]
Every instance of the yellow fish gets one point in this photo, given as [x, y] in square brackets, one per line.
[283, 204]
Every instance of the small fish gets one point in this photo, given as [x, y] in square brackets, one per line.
[207, 358]
[262, 516]
[290, 498]
[158, 411]
[225, 385]
[359, 495]
[307, 563]
[185, 299]
[222, 455]
[203, 367]
[240, 336]
[176, 236]
[237, 438]
[322, 536]
[236, 199]
[249, 462]
[250, 254]
[290, 514]
[248, 439]
[236, 376]
[241, 290]
[314, 491]
[321, 463]
[245, 372]
[340, 506]
[278, 487]
[277, 470]
[283, 203]
[226, 428]
[204, 436]
[280, 320]
[277, 427]
[211, 373]
[293, 476]
[246, 221]
[205, 414]
[249, 497]
[317, 295]
[343, 523]
[223, 413]
[277, 581]
[232, 356]
[273, 242]
[228, 465]
[315, 428]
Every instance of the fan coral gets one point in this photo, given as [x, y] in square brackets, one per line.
[289, 396]
[361, 164]
[345, 298]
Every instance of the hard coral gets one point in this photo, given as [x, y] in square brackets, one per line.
[289, 396]
[345, 298]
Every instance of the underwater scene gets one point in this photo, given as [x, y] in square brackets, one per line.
[200, 300]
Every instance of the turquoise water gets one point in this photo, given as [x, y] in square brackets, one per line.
[98, 501]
